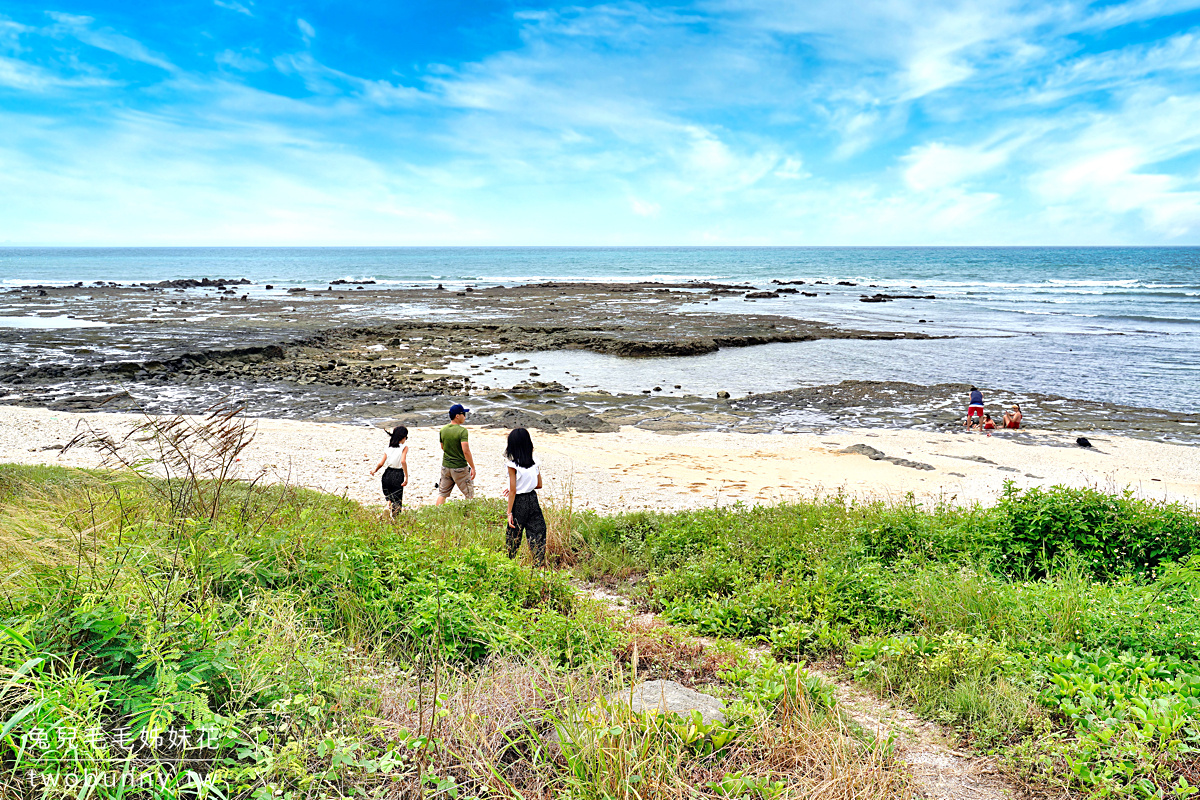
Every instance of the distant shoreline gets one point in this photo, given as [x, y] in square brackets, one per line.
[806, 353]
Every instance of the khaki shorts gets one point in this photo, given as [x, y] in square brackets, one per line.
[456, 477]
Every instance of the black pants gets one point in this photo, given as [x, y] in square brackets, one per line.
[393, 488]
[528, 515]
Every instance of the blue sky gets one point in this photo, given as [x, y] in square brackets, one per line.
[719, 122]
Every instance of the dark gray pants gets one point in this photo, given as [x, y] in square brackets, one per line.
[393, 488]
[527, 514]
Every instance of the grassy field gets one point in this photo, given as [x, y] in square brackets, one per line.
[163, 641]
[192, 638]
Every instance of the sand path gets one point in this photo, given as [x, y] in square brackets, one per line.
[940, 770]
[634, 468]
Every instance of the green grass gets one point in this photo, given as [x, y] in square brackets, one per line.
[324, 652]
[1004, 622]
[291, 644]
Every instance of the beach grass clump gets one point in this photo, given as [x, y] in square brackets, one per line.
[781, 737]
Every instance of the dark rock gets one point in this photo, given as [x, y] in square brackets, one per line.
[585, 423]
[81, 402]
[1083, 442]
[883, 298]
[539, 387]
[760, 295]
[678, 347]
[979, 459]
[516, 418]
[863, 449]
[877, 455]
[192, 283]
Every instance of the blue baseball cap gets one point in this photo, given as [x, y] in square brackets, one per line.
[458, 408]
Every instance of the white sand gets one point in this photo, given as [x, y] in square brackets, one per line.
[640, 469]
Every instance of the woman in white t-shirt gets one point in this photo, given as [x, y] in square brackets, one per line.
[395, 477]
[524, 512]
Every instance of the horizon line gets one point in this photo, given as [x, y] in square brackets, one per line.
[12, 246]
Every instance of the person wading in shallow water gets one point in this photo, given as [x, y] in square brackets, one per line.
[458, 465]
[395, 476]
[524, 512]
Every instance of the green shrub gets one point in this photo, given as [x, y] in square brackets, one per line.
[1111, 534]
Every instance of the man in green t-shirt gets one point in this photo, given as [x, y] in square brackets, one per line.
[458, 466]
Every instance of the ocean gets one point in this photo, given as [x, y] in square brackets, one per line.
[1120, 325]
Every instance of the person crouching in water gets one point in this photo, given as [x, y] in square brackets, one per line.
[395, 476]
[524, 513]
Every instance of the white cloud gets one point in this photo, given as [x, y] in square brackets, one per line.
[937, 165]
[1112, 15]
[1176, 57]
[643, 208]
[1108, 168]
[792, 169]
[23, 76]
[324, 80]
[107, 39]
[229, 183]
[239, 61]
[233, 5]
[306, 30]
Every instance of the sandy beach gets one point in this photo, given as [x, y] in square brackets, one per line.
[638, 469]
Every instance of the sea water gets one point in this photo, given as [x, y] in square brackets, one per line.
[1114, 324]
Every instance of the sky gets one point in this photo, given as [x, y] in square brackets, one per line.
[714, 122]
